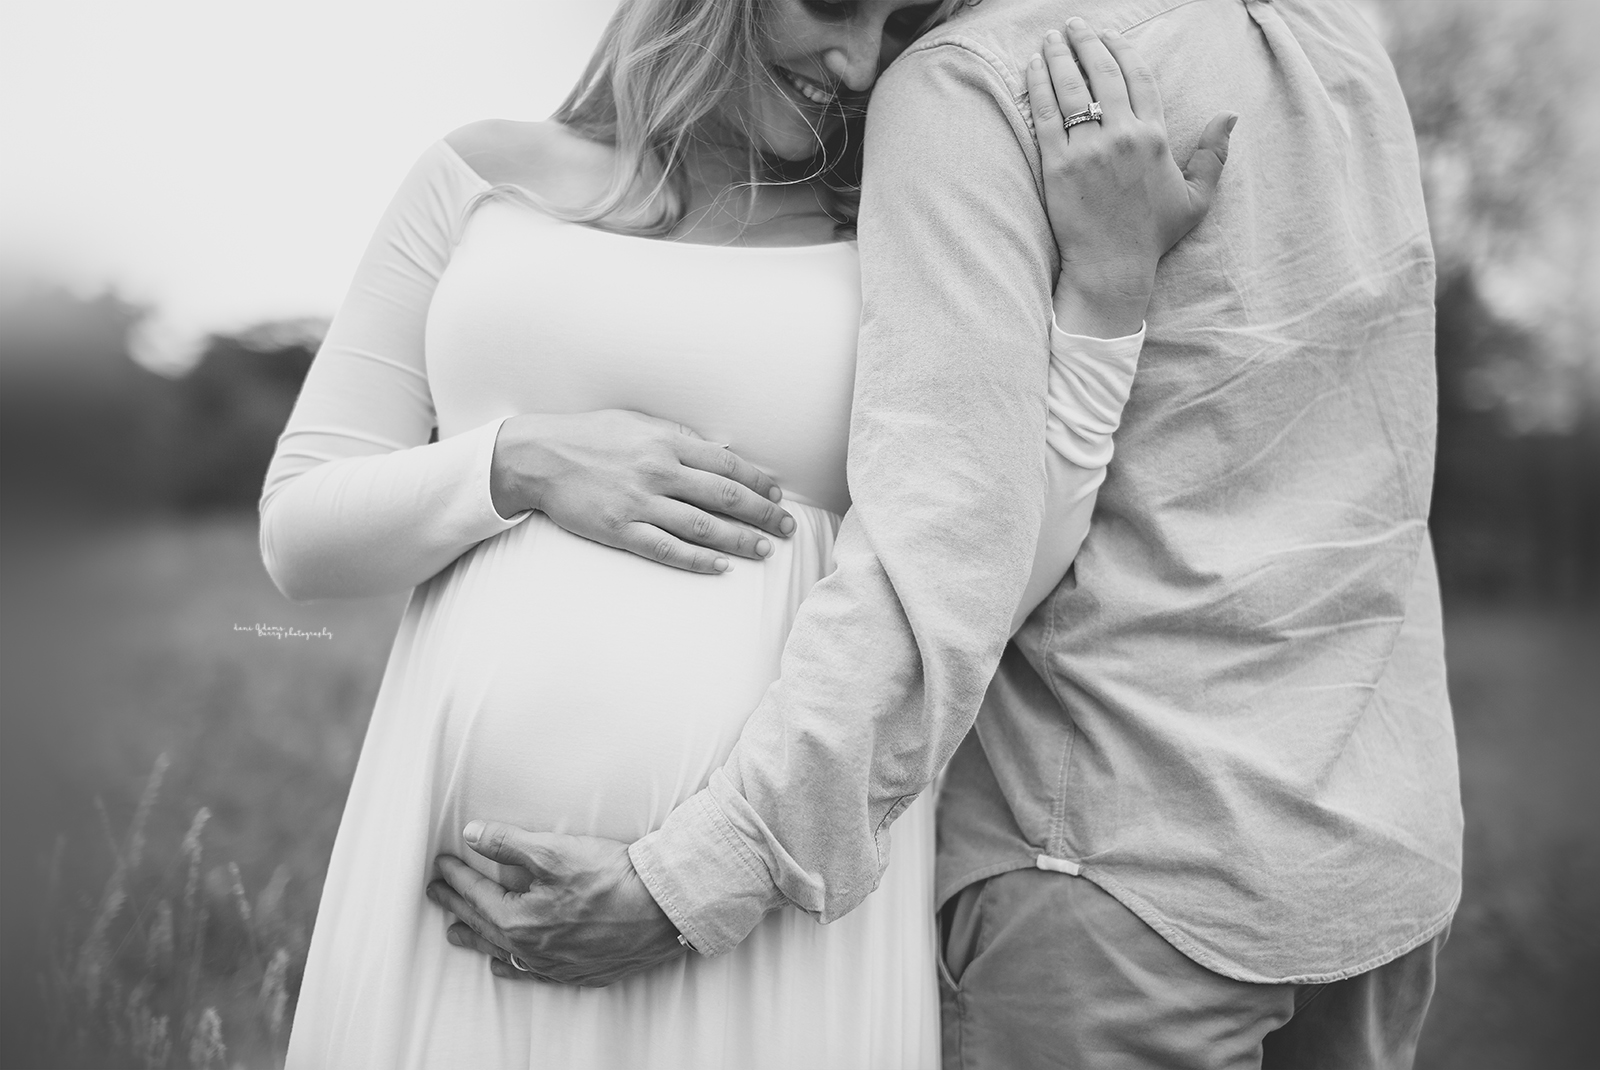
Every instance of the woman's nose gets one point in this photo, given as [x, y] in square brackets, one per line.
[857, 62]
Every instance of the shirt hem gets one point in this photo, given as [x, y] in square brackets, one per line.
[943, 894]
[1238, 972]
[1188, 947]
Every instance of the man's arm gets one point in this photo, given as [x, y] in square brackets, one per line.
[890, 655]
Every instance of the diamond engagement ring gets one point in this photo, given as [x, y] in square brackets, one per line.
[1091, 114]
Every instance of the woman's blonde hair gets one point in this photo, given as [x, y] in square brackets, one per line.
[667, 73]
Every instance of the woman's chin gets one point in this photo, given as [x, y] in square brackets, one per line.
[793, 146]
[792, 154]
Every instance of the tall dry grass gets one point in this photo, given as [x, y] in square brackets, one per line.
[145, 928]
[174, 963]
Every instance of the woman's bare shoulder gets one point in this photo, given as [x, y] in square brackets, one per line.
[544, 157]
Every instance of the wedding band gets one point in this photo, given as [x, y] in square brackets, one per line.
[520, 965]
[1091, 114]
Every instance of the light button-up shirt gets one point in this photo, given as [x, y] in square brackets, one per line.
[1232, 713]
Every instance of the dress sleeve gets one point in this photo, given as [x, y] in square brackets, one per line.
[357, 502]
[1089, 383]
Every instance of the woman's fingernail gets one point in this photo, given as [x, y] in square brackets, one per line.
[722, 564]
[453, 938]
[1076, 23]
[1231, 120]
[763, 547]
[473, 832]
[1037, 62]
[786, 525]
[1053, 37]
[775, 494]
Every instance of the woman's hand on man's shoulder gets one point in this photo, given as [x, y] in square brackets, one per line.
[1117, 199]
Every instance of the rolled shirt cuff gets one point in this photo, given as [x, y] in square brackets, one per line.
[704, 876]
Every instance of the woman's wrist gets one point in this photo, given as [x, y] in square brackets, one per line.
[1105, 309]
[513, 488]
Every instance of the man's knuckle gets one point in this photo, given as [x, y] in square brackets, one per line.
[728, 494]
[702, 526]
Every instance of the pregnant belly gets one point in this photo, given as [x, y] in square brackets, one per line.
[584, 690]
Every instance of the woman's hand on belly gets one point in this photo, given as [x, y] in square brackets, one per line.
[585, 919]
[638, 483]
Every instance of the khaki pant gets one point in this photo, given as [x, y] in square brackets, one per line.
[1046, 970]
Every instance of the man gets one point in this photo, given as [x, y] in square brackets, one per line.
[1209, 814]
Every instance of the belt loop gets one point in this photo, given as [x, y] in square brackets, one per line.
[1058, 865]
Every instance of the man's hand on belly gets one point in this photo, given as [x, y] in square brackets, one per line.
[585, 917]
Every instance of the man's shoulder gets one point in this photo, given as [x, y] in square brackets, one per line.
[1013, 30]
[984, 48]
[1016, 28]
[997, 37]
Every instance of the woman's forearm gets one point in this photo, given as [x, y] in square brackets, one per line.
[356, 527]
[1069, 503]
[1090, 378]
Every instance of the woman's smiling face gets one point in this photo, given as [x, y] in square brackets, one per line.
[822, 58]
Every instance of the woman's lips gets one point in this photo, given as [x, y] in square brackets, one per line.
[808, 89]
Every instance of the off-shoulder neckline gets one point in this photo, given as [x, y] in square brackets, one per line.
[485, 184]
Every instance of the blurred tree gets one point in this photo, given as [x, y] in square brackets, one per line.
[85, 429]
[81, 426]
[1505, 99]
[231, 408]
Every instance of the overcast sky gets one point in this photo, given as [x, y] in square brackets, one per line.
[226, 160]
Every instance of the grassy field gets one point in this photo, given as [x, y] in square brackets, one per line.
[121, 646]
[124, 644]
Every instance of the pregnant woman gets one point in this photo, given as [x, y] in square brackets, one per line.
[668, 244]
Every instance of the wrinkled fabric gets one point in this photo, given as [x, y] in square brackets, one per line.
[1041, 972]
[1232, 714]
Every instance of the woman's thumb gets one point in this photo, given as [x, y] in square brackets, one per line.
[1205, 166]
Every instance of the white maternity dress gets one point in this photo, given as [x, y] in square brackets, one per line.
[548, 681]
